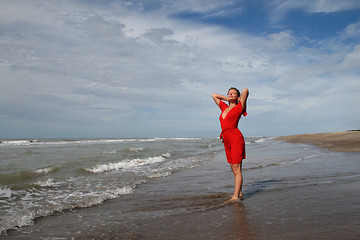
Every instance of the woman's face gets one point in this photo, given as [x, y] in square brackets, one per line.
[232, 95]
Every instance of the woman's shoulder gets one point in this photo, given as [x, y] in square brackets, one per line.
[223, 105]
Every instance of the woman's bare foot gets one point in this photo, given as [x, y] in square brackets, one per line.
[241, 196]
[231, 200]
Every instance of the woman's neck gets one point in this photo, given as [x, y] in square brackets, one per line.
[232, 104]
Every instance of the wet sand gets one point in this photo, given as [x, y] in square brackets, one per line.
[338, 141]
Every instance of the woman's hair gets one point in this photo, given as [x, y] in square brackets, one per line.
[237, 90]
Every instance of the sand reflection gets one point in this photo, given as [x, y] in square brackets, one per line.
[238, 225]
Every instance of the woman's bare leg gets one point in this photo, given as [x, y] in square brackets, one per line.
[236, 168]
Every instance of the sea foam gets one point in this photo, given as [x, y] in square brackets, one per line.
[126, 164]
[5, 193]
[46, 183]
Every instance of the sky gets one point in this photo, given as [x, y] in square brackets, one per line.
[147, 68]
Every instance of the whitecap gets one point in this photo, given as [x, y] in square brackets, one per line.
[179, 138]
[110, 152]
[16, 142]
[5, 193]
[125, 164]
[44, 170]
[166, 155]
[136, 149]
[159, 174]
[46, 183]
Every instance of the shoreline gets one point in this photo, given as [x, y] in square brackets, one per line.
[337, 141]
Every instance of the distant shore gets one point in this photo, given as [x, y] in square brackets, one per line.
[338, 141]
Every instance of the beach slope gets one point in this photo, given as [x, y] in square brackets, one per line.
[338, 141]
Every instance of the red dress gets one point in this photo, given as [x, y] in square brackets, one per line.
[232, 137]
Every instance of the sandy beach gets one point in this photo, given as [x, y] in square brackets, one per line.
[338, 141]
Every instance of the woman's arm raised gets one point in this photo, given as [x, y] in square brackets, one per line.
[243, 98]
[218, 97]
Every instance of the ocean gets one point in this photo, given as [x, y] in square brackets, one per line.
[152, 188]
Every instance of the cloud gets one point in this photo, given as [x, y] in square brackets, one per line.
[127, 69]
[317, 6]
[280, 8]
[203, 7]
[353, 30]
[330, 6]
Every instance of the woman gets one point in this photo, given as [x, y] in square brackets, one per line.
[232, 137]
